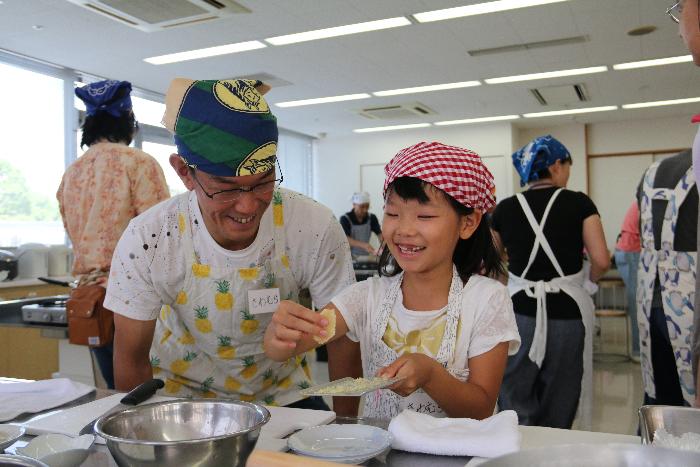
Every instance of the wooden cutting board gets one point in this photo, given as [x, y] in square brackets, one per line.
[283, 421]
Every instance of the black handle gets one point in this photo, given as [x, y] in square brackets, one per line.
[142, 392]
[54, 281]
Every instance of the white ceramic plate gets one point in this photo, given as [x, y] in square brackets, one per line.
[341, 443]
[8, 435]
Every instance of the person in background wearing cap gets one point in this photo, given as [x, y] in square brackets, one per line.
[105, 188]
[359, 224]
[195, 280]
[431, 318]
[544, 231]
[687, 14]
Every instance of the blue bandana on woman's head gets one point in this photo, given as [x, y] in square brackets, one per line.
[102, 96]
[537, 155]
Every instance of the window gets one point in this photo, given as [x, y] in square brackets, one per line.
[294, 153]
[161, 152]
[32, 157]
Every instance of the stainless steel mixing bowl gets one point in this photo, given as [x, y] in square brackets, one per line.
[200, 432]
[675, 420]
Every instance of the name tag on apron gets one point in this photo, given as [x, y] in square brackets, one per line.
[263, 300]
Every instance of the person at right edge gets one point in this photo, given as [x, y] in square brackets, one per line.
[544, 231]
[687, 15]
[668, 213]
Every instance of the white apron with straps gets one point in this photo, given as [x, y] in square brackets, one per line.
[577, 286]
[385, 403]
[676, 271]
[208, 344]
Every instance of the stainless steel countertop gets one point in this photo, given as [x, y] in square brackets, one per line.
[532, 437]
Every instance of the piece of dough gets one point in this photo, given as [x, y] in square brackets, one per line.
[329, 314]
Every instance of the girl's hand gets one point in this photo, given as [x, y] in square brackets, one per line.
[290, 323]
[416, 369]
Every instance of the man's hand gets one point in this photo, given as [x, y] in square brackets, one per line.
[291, 323]
[416, 369]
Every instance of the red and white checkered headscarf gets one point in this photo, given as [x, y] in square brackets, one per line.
[458, 172]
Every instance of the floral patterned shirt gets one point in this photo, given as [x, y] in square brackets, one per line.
[100, 193]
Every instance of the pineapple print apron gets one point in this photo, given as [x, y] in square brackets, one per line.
[207, 343]
[385, 403]
[676, 272]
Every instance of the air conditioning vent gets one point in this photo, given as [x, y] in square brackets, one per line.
[157, 15]
[396, 112]
[529, 46]
[561, 95]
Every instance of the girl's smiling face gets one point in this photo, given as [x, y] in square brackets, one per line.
[422, 235]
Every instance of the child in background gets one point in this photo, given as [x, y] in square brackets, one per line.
[431, 318]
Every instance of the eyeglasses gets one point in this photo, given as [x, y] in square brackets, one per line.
[225, 196]
[675, 10]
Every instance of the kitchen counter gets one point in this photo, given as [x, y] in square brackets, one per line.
[532, 437]
[26, 282]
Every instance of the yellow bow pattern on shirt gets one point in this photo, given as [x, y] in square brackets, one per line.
[426, 341]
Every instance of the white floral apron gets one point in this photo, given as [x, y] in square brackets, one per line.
[676, 272]
[207, 344]
[385, 403]
[577, 286]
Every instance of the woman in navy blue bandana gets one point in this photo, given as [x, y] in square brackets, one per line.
[544, 231]
[110, 184]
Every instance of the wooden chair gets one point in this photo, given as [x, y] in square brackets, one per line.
[606, 309]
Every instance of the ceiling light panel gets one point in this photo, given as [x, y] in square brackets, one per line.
[547, 75]
[323, 100]
[477, 120]
[391, 128]
[641, 105]
[203, 53]
[655, 62]
[570, 111]
[479, 9]
[434, 87]
[339, 31]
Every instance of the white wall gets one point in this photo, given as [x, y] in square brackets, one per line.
[614, 180]
[337, 160]
[640, 135]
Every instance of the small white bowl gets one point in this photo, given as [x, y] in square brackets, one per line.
[8, 435]
[59, 450]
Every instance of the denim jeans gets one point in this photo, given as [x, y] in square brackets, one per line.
[546, 396]
[627, 263]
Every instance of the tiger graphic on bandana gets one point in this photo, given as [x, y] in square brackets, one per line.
[240, 95]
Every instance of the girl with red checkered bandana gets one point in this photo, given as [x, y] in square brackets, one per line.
[433, 317]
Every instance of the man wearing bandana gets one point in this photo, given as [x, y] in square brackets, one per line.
[544, 231]
[105, 188]
[195, 279]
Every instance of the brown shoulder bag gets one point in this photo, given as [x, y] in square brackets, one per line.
[89, 322]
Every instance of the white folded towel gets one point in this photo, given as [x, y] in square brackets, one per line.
[494, 436]
[35, 396]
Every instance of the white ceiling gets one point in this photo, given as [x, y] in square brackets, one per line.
[415, 55]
